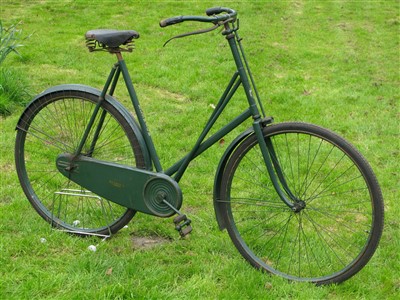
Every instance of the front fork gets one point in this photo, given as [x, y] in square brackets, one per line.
[274, 169]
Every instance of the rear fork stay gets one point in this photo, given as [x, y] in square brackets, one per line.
[182, 223]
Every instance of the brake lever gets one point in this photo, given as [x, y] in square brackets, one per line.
[193, 33]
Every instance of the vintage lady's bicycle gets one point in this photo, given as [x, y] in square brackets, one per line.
[297, 200]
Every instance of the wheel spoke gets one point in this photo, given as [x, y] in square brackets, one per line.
[54, 124]
[326, 239]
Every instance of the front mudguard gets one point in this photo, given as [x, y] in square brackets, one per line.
[220, 171]
[111, 100]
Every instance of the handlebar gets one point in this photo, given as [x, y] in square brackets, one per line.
[212, 13]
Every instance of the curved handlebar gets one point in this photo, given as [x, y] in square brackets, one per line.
[211, 13]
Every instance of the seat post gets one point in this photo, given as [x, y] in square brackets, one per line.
[119, 55]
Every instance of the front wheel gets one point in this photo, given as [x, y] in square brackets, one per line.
[339, 226]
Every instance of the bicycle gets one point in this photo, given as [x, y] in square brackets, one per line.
[297, 200]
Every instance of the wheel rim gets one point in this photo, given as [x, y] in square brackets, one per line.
[56, 127]
[323, 240]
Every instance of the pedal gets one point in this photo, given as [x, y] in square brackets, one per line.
[185, 231]
[182, 224]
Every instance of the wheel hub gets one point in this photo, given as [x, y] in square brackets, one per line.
[299, 206]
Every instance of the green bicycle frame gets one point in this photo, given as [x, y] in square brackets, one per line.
[242, 77]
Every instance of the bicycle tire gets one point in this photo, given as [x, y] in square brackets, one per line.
[339, 229]
[53, 124]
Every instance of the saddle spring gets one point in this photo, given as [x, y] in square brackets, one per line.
[94, 45]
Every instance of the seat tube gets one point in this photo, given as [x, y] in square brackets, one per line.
[135, 102]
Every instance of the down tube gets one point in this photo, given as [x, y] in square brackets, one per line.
[212, 140]
[223, 101]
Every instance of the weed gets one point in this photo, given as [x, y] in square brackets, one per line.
[13, 90]
[10, 39]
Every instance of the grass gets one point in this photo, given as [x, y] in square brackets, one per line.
[333, 63]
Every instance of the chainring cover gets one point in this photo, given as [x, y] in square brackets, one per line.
[138, 189]
[158, 189]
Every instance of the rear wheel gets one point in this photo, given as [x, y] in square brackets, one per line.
[339, 219]
[54, 124]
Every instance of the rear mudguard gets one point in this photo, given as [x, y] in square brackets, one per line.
[111, 100]
[220, 171]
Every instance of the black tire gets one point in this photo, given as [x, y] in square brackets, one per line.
[54, 124]
[336, 233]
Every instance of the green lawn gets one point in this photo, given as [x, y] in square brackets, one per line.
[332, 63]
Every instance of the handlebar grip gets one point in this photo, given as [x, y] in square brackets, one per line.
[171, 21]
[214, 11]
[217, 10]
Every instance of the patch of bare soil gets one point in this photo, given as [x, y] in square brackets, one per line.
[148, 242]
